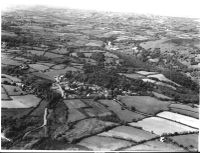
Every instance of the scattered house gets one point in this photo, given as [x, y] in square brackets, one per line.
[24, 67]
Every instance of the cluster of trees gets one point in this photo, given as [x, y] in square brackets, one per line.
[181, 79]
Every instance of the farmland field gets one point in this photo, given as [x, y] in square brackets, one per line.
[36, 52]
[161, 77]
[15, 112]
[75, 103]
[129, 133]
[85, 128]
[4, 96]
[185, 107]
[161, 126]
[13, 90]
[145, 104]
[96, 112]
[161, 96]
[52, 55]
[27, 100]
[180, 118]
[133, 75]
[75, 115]
[184, 112]
[190, 141]
[58, 67]
[39, 67]
[53, 73]
[14, 79]
[146, 73]
[155, 146]
[103, 143]
[123, 114]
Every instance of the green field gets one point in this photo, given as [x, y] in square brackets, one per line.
[123, 114]
[190, 141]
[103, 143]
[145, 104]
[155, 146]
[129, 133]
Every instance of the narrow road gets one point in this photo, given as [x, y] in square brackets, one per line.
[44, 123]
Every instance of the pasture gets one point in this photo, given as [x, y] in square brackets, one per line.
[145, 104]
[180, 118]
[103, 143]
[155, 146]
[160, 126]
[129, 133]
[123, 114]
[75, 103]
[190, 141]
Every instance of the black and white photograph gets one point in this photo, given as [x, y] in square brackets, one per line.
[100, 76]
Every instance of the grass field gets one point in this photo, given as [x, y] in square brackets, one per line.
[39, 67]
[96, 112]
[75, 115]
[123, 114]
[155, 146]
[184, 112]
[14, 79]
[75, 103]
[4, 96]
[129, 133]
[133, 75]
[85, 128]
[146, 72]
[161, 96]
[190, 141]
[185, 107]
[161, 77]
[27, 100]
[13, 90]
[160, 126]
[103, 143]
[59, 67]
[53, 73]
[145, 104]
[180, 118]
[15, 112]
[52, 55]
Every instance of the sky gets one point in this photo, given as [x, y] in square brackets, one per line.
[179, 8]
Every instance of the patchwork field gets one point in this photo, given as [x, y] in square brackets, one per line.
[123, 114]
[146, 72]
[13, 90]
[104, 143]
[161, 96]
[75, 103]
[14, 79]
[53, 73]
[184, 112]
[39, 67]
[190, 141]
[15, 112]
[128, 133]
[161, 77]
[185, 107]
[83, 128]
[145, 104]
[25, 101]
[180, 118]
[160, 126]
[75, 115]
[133, 75]
[155, 146]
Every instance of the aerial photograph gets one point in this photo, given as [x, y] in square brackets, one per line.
[100, 75]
